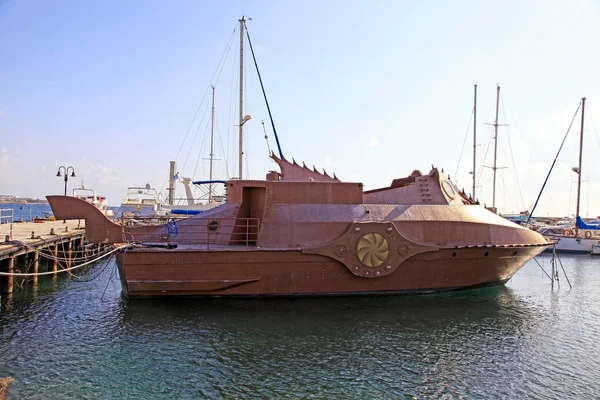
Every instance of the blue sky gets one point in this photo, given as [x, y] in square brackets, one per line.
[368, 90]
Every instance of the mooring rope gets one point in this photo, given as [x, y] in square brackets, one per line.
[66, 269]
[47, 254]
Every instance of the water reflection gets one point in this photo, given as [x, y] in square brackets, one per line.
[372, 344]
[335, 315]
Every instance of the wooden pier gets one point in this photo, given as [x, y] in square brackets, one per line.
[41, 247]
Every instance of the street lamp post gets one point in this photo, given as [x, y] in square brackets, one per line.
[66, 170]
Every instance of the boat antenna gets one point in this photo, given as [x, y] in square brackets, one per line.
[266, 137]
[552, 166]
[474, 137]
[264, 95]
[579, 169]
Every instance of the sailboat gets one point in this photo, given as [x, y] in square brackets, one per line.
[582, 237]
[303, 232]
[213, 200]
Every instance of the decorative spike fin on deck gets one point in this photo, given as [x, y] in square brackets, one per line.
[292, 171]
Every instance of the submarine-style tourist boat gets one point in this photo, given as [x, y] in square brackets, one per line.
[302, 232]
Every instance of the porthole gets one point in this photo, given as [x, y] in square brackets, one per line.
[213, 226]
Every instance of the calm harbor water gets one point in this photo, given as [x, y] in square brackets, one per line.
[78, 338]
[26, 212]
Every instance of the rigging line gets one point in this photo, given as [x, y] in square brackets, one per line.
[204, 97]
[591, 120]
[574, 159]
[264, 93]
[266, 137]
[195, 136]
[213, 80]
[461, 151]
[219, 68]
[480, 172]
[245, 128]
[207, 129]
[223, 149]
[222, 64]
[552, 166]
[512, 157]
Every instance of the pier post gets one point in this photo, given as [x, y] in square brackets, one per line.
[55, 259]
[3, 279]
[10, 278]
[35, 258]
[74, 249]
[69, 252]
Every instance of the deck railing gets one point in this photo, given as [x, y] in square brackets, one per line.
[191, 231]
[7, 218]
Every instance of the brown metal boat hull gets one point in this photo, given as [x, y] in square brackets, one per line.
[156, 272]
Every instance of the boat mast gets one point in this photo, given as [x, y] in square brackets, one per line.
[212, 135]
[495, 148]
[474, 137]
[241, 124]
[172, 167]
[579, 169]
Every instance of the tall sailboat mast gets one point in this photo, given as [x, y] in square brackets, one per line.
[212, 152]
[579, 169]
[495, 148]
[241, 124]
[474, 136]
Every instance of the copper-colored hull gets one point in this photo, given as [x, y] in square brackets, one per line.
[156, 272]
[306, 233]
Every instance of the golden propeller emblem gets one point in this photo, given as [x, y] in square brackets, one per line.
[372, 249]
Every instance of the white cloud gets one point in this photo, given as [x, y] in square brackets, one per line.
[373, 142]
[100, 173]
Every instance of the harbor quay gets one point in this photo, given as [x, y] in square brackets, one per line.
[30, 249]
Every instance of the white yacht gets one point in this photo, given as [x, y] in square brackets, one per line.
[139, 198]
[90, 196]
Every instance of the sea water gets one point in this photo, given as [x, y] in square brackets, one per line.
[25, 212]
[78, 338]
